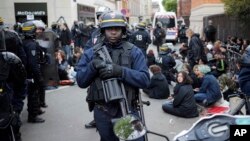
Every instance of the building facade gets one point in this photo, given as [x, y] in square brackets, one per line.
[184, 11]
[50, 11]
[201, 9]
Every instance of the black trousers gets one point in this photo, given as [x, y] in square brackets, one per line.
[33, 99]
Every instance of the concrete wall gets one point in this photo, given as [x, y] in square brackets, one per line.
[197, 14]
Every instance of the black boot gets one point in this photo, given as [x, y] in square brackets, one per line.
[43, 105]
[35, 119]
[92, 124]
[40, 112]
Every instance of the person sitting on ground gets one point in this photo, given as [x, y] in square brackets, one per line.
[182, 102]
[62, 65]
[217, 48]
[191, 73]
[150, 58]
[209, 92]
[178, 62]
[228, 85]
[63, 68]
[220, 65]
[158, 87]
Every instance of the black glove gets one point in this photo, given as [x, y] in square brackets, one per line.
[98, 63]
[110, 70]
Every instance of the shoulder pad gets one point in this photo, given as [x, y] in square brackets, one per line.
[10, 57]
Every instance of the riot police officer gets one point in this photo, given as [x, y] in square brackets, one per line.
[96, 37]
[141, 38]
[166, 62]
[12, 72]
[129, 66]
[35, 79]
[14, 45]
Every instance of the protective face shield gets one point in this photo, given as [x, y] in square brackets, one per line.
[39, 24]
[2, 41]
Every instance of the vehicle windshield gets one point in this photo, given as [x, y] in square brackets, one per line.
[166, 22]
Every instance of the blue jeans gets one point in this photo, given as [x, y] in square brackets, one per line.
[204, 98]
[67, 51]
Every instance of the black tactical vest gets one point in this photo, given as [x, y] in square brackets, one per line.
[119, 56]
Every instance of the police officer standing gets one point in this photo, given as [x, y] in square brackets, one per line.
[14, 45]
[12, 71]
[35, 79]
[129, 66]
[96, 37]
[141, 38]
[166, 62]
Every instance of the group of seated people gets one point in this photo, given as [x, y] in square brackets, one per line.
[202, 85]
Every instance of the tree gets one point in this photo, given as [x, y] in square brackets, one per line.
[239, 9]
[170, 5]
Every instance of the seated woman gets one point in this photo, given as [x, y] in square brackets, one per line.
[209, 92]
[62, 64]
[158, 87]
[63, 68]
[182, 103]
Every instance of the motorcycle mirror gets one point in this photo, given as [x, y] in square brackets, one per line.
[129, 127]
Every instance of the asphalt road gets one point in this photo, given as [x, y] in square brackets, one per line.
[68, 112]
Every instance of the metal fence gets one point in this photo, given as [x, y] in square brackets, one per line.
[232, 58]
[227, 26]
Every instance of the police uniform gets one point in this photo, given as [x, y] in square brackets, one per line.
[14, 45]
[133, 73]
[141, 38]
[12, 71]
[166, 62]
[35, 79]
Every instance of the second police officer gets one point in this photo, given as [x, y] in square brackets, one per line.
[12, 72]
[129, 66]
[141, 38]
[14, 45]
[35, 79]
